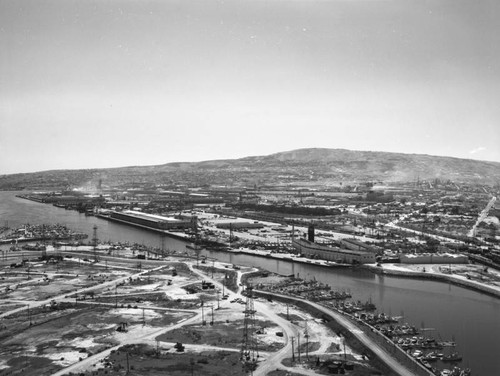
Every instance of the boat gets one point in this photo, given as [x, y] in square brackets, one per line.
[416, 354]
[34, 247]
[430, 357]
[447, 343]
[453, 357]
[194, 247]
[425, 363]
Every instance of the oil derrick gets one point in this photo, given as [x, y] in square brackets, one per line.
[94, 243]
[249, 351]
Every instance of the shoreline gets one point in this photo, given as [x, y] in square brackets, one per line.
[322, 263]
[394, 359]
[286, 257]
[436, 277]
[158, 231]
[380, 270]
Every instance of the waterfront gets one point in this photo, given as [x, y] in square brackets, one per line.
[471, 318]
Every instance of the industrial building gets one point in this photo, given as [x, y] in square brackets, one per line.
[309, 248]
[154, 221]
[240, 225]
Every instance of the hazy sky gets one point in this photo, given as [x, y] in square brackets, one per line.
[109, 83]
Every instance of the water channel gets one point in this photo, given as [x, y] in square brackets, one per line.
[472, 319]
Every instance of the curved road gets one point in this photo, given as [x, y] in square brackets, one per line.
[361, 336]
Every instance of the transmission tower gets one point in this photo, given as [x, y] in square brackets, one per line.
[249, 350]
[94, 243]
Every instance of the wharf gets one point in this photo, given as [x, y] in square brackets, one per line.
[287, 257]
[259, 253]
[176, 235]
[24, 240]
[479, 287]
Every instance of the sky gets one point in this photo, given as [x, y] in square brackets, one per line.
[95, 84]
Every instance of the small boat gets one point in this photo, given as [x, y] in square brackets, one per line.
[416, 354]
[447, 343]
[453, 357]
[425, 363]
[430, 357]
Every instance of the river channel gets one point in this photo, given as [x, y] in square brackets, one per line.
[470, 318]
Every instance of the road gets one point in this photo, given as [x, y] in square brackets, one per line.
[64, 298]
[267, 361]
[87, 363]
[363, 338]
[482, 216]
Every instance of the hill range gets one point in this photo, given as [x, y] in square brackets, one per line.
[301, 166]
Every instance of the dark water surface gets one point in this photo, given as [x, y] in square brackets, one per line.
[470, 318]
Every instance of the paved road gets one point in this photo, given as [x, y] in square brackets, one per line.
[267, 361]
[87, 363]
[362, 337]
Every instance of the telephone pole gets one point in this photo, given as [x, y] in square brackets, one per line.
[306, 335]
[298, 345]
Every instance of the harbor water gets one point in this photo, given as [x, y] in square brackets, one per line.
[470, 318]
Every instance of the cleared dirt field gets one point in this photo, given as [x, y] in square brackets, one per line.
[60, 337]
[136, 360]
[124, 316]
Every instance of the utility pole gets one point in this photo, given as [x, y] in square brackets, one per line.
[293, 350]
[203, 322]
[345, 355]
[212, 322]
[162, 243]
[298, 345]
[218, 292]
[94, 242]
[306, 335]
[230, 234]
